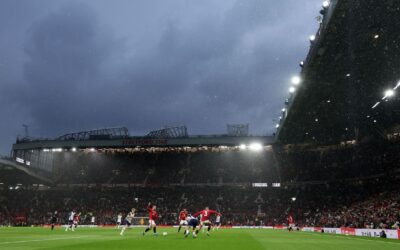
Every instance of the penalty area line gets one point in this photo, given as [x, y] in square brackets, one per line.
[39, 240]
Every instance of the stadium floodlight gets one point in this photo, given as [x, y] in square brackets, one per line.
[376, 36]
[255, 147]
[388, 93]
[283, 110]
[293, 198]
[301, 63]
[376, 105]
[242, 146]
[312, 38]
[46, 150]
[292, 90]
[56, 150]
[92, 149]
[277, 125]
[325, 4]
[73, 149]
[296, 80]
[398, 85]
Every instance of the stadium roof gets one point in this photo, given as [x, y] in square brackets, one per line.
[120, 138]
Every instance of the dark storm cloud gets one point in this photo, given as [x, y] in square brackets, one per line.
[146, 64]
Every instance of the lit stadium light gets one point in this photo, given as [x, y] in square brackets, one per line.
[73, 149]
[376, 105]
[296, 80]
[376, 36]
[388, 93]
[255, 146]
[292, 90]
[242, 147]
[316, 119]
[46, 150]
[20, 160]
[348, 75]
[283, 110]
[301, 63]
[293, 198]
[56, 150]
[312, 38]
[92, 149]
[277, 125]
[325, 4]
[398, 85]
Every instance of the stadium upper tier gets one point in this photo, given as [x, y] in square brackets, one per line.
[348, 81]
[142, 141]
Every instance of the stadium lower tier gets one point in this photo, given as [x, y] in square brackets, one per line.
[362, 204]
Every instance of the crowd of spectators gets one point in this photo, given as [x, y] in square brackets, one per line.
[356, 205]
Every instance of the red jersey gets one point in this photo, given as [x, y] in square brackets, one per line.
[152, 213]
[290, 219]
[182, 215]
[76, 218]
[205, 214]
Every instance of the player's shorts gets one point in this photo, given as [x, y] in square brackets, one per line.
[126, 223]
[152, 223]
[205, 222]
[218, 223]
[118, 222]
[183, 222]
[193, 223]
[292, 225]
[76, 222]
[70, 222]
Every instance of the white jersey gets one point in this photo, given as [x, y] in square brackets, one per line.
[129, 217]
[218, 219]
[93, 219]
[119, 218]
[71, 216]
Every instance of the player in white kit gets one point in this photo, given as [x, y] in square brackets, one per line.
[217, 224]
[70, 221]
[119, 220]
[128, 220]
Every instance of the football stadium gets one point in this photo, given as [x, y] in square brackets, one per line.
[327, 177]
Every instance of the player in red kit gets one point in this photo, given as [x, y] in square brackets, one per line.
[290, 221]
[77, 218]
[182, 219]
[205, 218]
[153, 216]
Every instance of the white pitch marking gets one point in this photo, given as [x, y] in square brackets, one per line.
[25, 241]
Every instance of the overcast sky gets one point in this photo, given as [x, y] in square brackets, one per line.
[74, 65]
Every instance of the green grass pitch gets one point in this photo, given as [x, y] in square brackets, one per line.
[229, 239]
